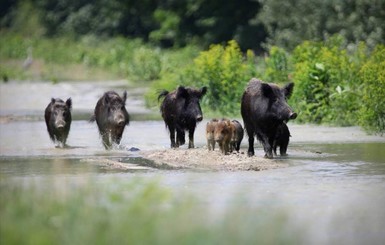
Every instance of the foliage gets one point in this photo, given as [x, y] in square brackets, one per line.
[145, 64]
[120, 57]
[133, 212]
[356, 20]
[372, 74]
[254, 24]
[166, 23]
[225, 72]
[277, 66]
[327, 85]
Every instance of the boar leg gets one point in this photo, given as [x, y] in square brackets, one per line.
[283, 149]
[267, 146]
[106, 138]
[172, 136]
[227, 148]
[238, 146]
[250, 151]
[191, 138]
[275, 148]
[180, 137]
[211, 144]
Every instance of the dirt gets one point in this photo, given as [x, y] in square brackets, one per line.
[202, 159]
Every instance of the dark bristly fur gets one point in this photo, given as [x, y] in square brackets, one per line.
[181, 112]
[58, 120]
[263, 109]
[281, 139]
[111, 117]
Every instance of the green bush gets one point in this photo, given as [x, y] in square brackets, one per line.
[277, 66]
[223, 69]
[145, 64]
[372, 74]
[327, 87]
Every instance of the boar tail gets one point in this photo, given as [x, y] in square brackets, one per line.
[162, 93]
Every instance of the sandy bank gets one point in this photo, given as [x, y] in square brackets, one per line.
[202, 159]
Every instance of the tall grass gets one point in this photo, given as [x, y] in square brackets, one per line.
[112, 58]
[134, 212]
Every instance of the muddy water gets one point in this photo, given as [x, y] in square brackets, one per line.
[334, 189]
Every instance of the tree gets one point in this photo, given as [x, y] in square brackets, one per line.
[290, 22]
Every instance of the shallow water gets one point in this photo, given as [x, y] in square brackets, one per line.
[334, 189]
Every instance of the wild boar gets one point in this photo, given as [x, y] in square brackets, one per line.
[236, 140]
[181, 111]
[263, 109]
[223, 134]
[58, 120]
[281, 139]
[210, 128]
[111, 117]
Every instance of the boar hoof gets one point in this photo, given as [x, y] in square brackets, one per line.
[269, 155]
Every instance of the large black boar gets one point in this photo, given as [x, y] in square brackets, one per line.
[263, 109]
[181, 111]
[281, 139]
[58, 120]
[111, 117]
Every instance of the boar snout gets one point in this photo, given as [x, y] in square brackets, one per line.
[293, 115]
[121, 122]
[60, 124]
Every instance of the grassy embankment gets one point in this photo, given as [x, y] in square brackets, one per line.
[128, 212]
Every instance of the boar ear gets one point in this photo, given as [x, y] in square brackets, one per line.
[106, 99]
[181, 92]
[288, 89]
[124, 96]
[69, 103]
[267, 91]
[53, 100]
[203, 91]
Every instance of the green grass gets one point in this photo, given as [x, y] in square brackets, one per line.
[133, 212]
[89, 58]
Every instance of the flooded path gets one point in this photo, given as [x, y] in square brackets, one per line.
[332, 186]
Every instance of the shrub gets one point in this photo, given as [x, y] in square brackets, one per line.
[327, 85]
[225, 71]
[145, 64]
[372, 74]
[277, 66]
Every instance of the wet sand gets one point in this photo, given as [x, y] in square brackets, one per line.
[202, 159]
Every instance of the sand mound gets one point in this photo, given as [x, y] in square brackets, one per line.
[202, 159]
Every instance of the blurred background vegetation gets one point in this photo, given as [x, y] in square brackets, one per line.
[332, 49]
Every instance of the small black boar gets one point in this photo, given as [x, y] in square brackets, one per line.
[223, 134]
[210, 128]
[281, 139]
[111, 117]
[263, 109]
[58, 120]
[237, 136]
[181, 111]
